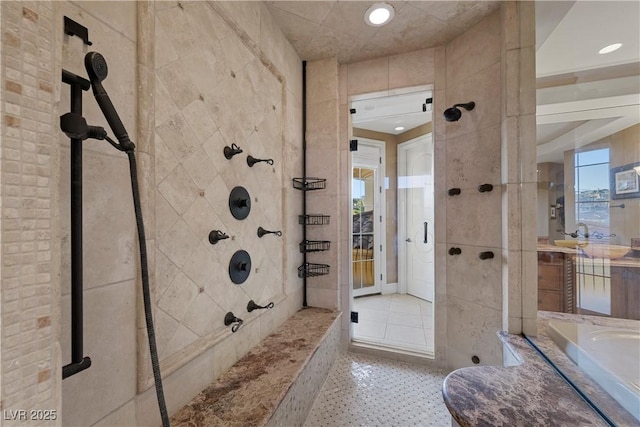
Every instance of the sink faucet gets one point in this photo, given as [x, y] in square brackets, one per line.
[586, 230]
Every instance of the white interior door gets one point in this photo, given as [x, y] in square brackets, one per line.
[415, 218]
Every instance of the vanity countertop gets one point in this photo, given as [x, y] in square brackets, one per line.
[529, 393]
[620, 262]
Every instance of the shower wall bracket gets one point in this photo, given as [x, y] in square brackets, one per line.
[78, 361]
[72, 28]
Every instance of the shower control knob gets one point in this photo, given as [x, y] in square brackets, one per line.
[483, 188]
[243, 203]
[239, 203]
[486, 255]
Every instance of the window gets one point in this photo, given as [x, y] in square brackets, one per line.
[592, 189]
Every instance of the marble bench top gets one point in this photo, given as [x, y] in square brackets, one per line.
[530, 393]
[251, 390]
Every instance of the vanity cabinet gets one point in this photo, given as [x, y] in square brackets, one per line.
[556, 280]
[625, 292]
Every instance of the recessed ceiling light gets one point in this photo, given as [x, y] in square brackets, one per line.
[379, 14]
[610, 48]
[400, 128]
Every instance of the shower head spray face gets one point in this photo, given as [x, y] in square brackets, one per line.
[96, 66]
[453, 114]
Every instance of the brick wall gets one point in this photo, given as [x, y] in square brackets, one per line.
[29, 365]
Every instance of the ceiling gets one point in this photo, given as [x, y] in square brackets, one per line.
[324, 29]
[386, 113]
[581, 96]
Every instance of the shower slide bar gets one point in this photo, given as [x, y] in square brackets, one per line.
[78, 361]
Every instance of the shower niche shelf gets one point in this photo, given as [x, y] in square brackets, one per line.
[310, 269]
[309, 184]
[314, 246]
[313, 219]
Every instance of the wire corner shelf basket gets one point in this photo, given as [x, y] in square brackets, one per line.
[309, 183]
[310, 269]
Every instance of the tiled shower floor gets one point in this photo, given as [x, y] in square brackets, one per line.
[398, 321]
[364, 390]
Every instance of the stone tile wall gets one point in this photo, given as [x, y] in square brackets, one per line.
[224, 75]
[110, 260]
[473, 156]
[323, 161]
[30, 364]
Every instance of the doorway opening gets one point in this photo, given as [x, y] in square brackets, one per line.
[392, 227]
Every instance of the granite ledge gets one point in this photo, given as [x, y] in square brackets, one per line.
[529, 394]
[250, 391]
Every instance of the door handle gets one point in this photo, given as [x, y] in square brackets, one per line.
[408, 240]
[426, 225]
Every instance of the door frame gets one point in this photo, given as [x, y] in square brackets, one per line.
[375, 161]
[402, 210]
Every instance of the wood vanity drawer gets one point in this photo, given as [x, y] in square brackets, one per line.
[549, 300]
[550, 277]
[551, 258]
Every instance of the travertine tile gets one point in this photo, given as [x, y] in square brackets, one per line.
[178, 189]
[176, 24]
[272, 41]
[197, 116]
[178, 137]
[200, 168]
[473, 159]
[110, 340]
[178, 242]
[485, 89]
[178, 297]
[475, 280]
[204, 316]
[368, 76]
[512, 275]
[121, 417]
[529, 284]
[481, 226]
[474, 50]
[164, 51]
[472, 330]
[181, 89]
[412, 69]
[322, 78]
[165, 326]
[322, 118]
[203, 264]
[108, 248]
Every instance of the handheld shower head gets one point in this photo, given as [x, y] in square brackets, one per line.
[97, 70]
[453, 114]
[96, 67]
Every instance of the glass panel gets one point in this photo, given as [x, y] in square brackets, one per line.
[363, 232]
[588, 163]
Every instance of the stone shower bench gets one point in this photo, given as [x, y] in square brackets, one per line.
[276, 383]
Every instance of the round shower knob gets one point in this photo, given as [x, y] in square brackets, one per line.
[239, 203]
[240, 267]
